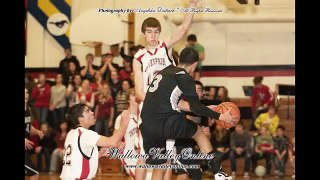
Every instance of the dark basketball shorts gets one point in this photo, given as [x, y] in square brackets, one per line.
[156, 130]
[29, 168]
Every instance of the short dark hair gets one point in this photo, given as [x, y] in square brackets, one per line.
[192, 37]
[199, 83]
[150, 22]
[281, 127]
[257, 80]
[74, 113]
[188, 56]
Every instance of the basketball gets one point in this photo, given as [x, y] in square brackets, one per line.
[225, 106]
[260, 171]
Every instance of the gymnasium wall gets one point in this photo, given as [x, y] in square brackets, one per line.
[232, 39]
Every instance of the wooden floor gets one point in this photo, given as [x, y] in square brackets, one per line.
[46, 176]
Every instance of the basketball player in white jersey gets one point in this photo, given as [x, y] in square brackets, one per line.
[80, 160]
[131, 136]
[153, 58]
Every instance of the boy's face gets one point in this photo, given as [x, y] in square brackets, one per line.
[151, 36]
[88, 116]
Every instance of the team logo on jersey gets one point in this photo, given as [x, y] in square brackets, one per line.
[58, 24]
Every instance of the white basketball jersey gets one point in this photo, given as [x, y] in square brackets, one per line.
[130, 139]
[81, 154]
[152, 62]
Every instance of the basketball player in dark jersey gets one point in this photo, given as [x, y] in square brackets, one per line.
[182, 144]
[29, 130]
[162, 119]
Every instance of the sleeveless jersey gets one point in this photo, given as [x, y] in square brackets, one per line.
[152, 63]
[81, 154]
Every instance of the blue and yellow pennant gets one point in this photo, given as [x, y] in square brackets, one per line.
[54, 16]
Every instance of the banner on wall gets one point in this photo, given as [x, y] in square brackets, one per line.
[54, 16]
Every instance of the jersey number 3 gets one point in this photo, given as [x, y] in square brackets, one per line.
[154, 85]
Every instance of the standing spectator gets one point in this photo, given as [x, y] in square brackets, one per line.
[85, 94]
[126, 70]
[63, 66]
[223, 95]
[58, 101]
[107, 65]
[72, 90]
[88, 71]
[41, 94]
[121, 102]
[104, 111]
[192, 42]
[60, 138]
[115, 84]
[281, 142]
[269, 119]
[46, 147]
[70, 73]
[240, 141]
[262, 97]
[263, 149]
[29, 84]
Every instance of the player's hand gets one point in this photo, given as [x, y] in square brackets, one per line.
[40, 134]
[227, 117]
[121, 145]
[28, 145]
[205, 129]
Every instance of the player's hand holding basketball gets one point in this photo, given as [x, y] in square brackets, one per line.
[227, 117]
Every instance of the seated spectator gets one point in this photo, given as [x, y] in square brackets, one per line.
[269, 119]
[263, 149]
[220, 140]
[58, 153]
[240, 141]
[115, 84]
[292, 155]
[281, 150]
[46, 147]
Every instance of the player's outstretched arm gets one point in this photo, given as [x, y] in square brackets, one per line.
[183, 28]
[114, 140]
[138, 79]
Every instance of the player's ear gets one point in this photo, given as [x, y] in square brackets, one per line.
[193, 66]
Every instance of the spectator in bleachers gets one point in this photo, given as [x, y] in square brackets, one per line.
[107, 65]
[292, 155]
[46, 147]
[269, 119]
[220, 140]
[262, 97]
[132, 51]
[223, 95]
[104, 111]
[72, 90]
[96, 85]
[64, 63]
[120, 102]
[281, 142]
[58, 101]
[41, 94]
[192, 42]
[70, 73]
[115, 84]
[240, 141]
[125, 72]
[88, 71]
[57, 154]
[29, 84]
[211, 94]
[85, 94]
[264, 149]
